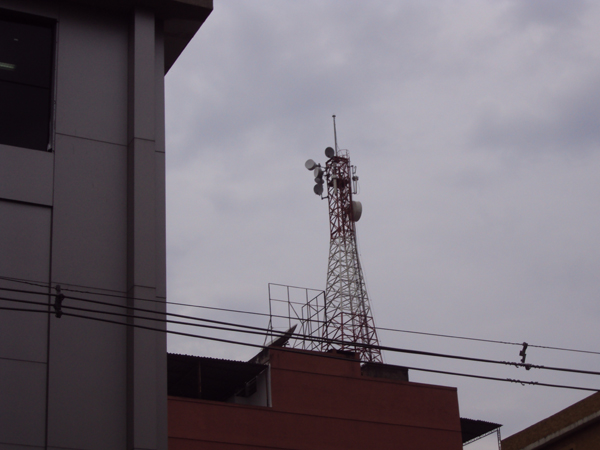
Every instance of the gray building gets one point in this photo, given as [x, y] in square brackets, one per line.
[82, 206]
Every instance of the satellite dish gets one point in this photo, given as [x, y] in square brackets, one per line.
[329, 152]
[310, 164]
[356, 210]
[318, 189]
[318, 172]
[282, 340]
[319, 180]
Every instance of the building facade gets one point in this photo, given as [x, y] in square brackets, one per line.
[82, 214]
[574, 428]
[297, 399]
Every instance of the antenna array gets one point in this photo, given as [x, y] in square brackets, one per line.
[348, 315]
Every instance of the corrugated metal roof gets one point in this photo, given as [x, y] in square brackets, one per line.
[476, 429]
[208, 378]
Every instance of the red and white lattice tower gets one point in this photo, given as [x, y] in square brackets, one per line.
[349, 324]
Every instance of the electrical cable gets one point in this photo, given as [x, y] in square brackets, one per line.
[19, 280]
[276, 316]
[6, 308]
[129, 308]
[262, 347]
[285, 317]
[236, 311]
[261, 331]
[522, 382]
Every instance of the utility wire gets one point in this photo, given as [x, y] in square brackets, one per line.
[247, 330]
[323, 355]
[98, 302]
[285, 317]
[262, 331]
[31, 283]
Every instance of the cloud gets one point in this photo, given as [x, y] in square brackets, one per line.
[474, 128]
[553, 13]
[567, 124]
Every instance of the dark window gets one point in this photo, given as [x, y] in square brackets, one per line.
[26, 54]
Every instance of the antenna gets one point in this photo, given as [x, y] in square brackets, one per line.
[347, 313]
[335, 136]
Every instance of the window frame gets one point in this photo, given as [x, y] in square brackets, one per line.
[39, 135]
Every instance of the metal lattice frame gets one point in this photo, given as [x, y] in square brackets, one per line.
[303, 308]
[348, 315]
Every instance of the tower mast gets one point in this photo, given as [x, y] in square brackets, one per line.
[349, 324]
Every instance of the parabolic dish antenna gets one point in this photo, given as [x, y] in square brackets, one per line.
[356, 210]
[318, 189]
[310, 164]
[329, 152]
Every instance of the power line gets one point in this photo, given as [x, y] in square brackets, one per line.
[121, 306]
[262, 331]
[323, 355]
[510, 380]
[519, 344]
[19, 280]
[244, 328]
[237, 311]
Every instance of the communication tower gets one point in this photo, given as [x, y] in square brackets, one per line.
[349, 324]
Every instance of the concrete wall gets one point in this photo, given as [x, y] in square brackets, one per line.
[88, 216]
[320, 403]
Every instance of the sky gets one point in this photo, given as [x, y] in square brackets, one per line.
[474, 127]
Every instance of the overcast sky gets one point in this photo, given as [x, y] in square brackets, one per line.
[474, 126]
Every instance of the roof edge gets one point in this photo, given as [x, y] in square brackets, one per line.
[181, 19]
[563, 432]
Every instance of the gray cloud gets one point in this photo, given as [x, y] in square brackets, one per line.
[569, 124]
[549, 12]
